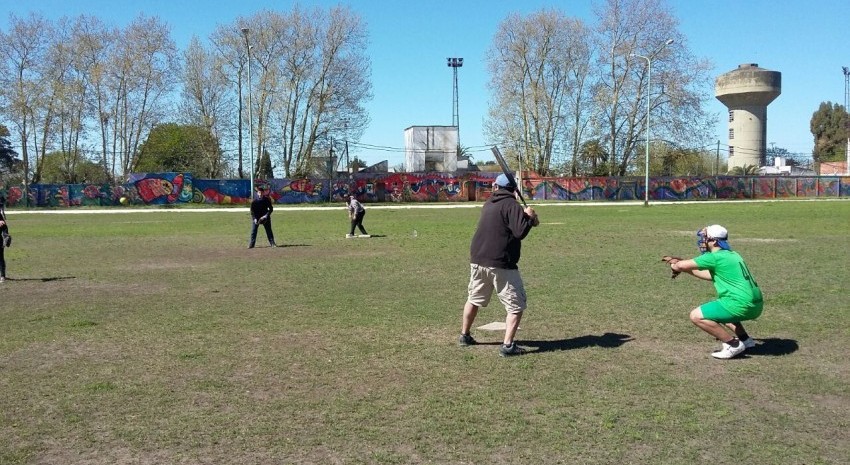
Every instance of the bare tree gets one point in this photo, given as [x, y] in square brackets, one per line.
[23, 50]
[311, 83]
[229, 44]
[69, 84]
[539, 78]
[144, 70]
[338, 88]
[204, 95]
[268, 40]
[93, 42]
[629, 30]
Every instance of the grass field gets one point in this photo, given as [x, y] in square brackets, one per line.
[158, 338]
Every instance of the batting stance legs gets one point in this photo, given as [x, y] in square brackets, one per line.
[508, 286]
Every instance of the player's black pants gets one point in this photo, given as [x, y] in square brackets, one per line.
[358, 222]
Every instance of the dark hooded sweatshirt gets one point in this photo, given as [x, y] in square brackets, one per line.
[501, 229]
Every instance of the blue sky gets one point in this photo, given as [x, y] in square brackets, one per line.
[807, 41]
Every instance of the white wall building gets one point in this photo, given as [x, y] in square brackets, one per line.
[430, 148]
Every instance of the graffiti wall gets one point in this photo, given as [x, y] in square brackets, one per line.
[182, 188]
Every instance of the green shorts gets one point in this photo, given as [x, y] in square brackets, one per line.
[716, 311]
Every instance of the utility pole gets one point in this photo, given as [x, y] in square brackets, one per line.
[331, 166]
[847, 120]
[717, 160]
[245, 32]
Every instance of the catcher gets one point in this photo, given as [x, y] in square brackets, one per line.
[356, 212]
[738, 295]
[261, 214]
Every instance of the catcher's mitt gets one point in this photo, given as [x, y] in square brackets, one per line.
[262, 219]
[669, 260]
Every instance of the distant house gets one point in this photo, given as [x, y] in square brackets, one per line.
[779, 168]
[832, 168]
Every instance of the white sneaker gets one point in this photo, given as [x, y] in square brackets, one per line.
[749, 343]
[349, 236]
[728, 351]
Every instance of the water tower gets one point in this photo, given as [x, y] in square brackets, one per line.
[746, 92]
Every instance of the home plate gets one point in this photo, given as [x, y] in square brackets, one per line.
[494, 326]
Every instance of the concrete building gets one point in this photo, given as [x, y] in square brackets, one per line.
[746, 92]
[430, 148]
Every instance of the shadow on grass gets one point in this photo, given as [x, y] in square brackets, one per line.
[773, 347]
[607, 340]
[44, 280]
[293, 245]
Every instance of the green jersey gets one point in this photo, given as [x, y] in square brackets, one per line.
[737, 290]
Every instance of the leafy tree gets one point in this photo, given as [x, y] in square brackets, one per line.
[265, 169]
[829, 126]
[593, 159]
[357, 164]
[678, 161]
[179, 148]
[9, 163]
[90, 172]
[56, 169]
[746, 170]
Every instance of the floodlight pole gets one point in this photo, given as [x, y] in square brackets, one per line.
[245, 31]
[454, 64]
[648, 109]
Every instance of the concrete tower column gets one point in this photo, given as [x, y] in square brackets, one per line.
[746, 92]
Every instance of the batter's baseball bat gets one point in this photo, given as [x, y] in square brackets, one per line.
[508, 173]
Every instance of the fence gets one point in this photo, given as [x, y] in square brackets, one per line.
[182, 188]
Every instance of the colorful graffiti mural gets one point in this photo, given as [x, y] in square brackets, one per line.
[173, 188]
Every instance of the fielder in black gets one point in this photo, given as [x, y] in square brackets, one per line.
[261, 214]
[5, 238]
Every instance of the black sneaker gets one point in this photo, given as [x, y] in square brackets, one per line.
[510, 350]
[466, 340]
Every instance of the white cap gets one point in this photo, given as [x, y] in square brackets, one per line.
[716, 231]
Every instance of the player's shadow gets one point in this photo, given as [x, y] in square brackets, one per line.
[44, 280]
[607, 340]
[280, 246]
[773, 347]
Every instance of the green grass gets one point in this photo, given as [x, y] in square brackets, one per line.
[159, 338]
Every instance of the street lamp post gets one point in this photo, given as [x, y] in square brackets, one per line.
[245, 31]
[648, 108]
[847, 108]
